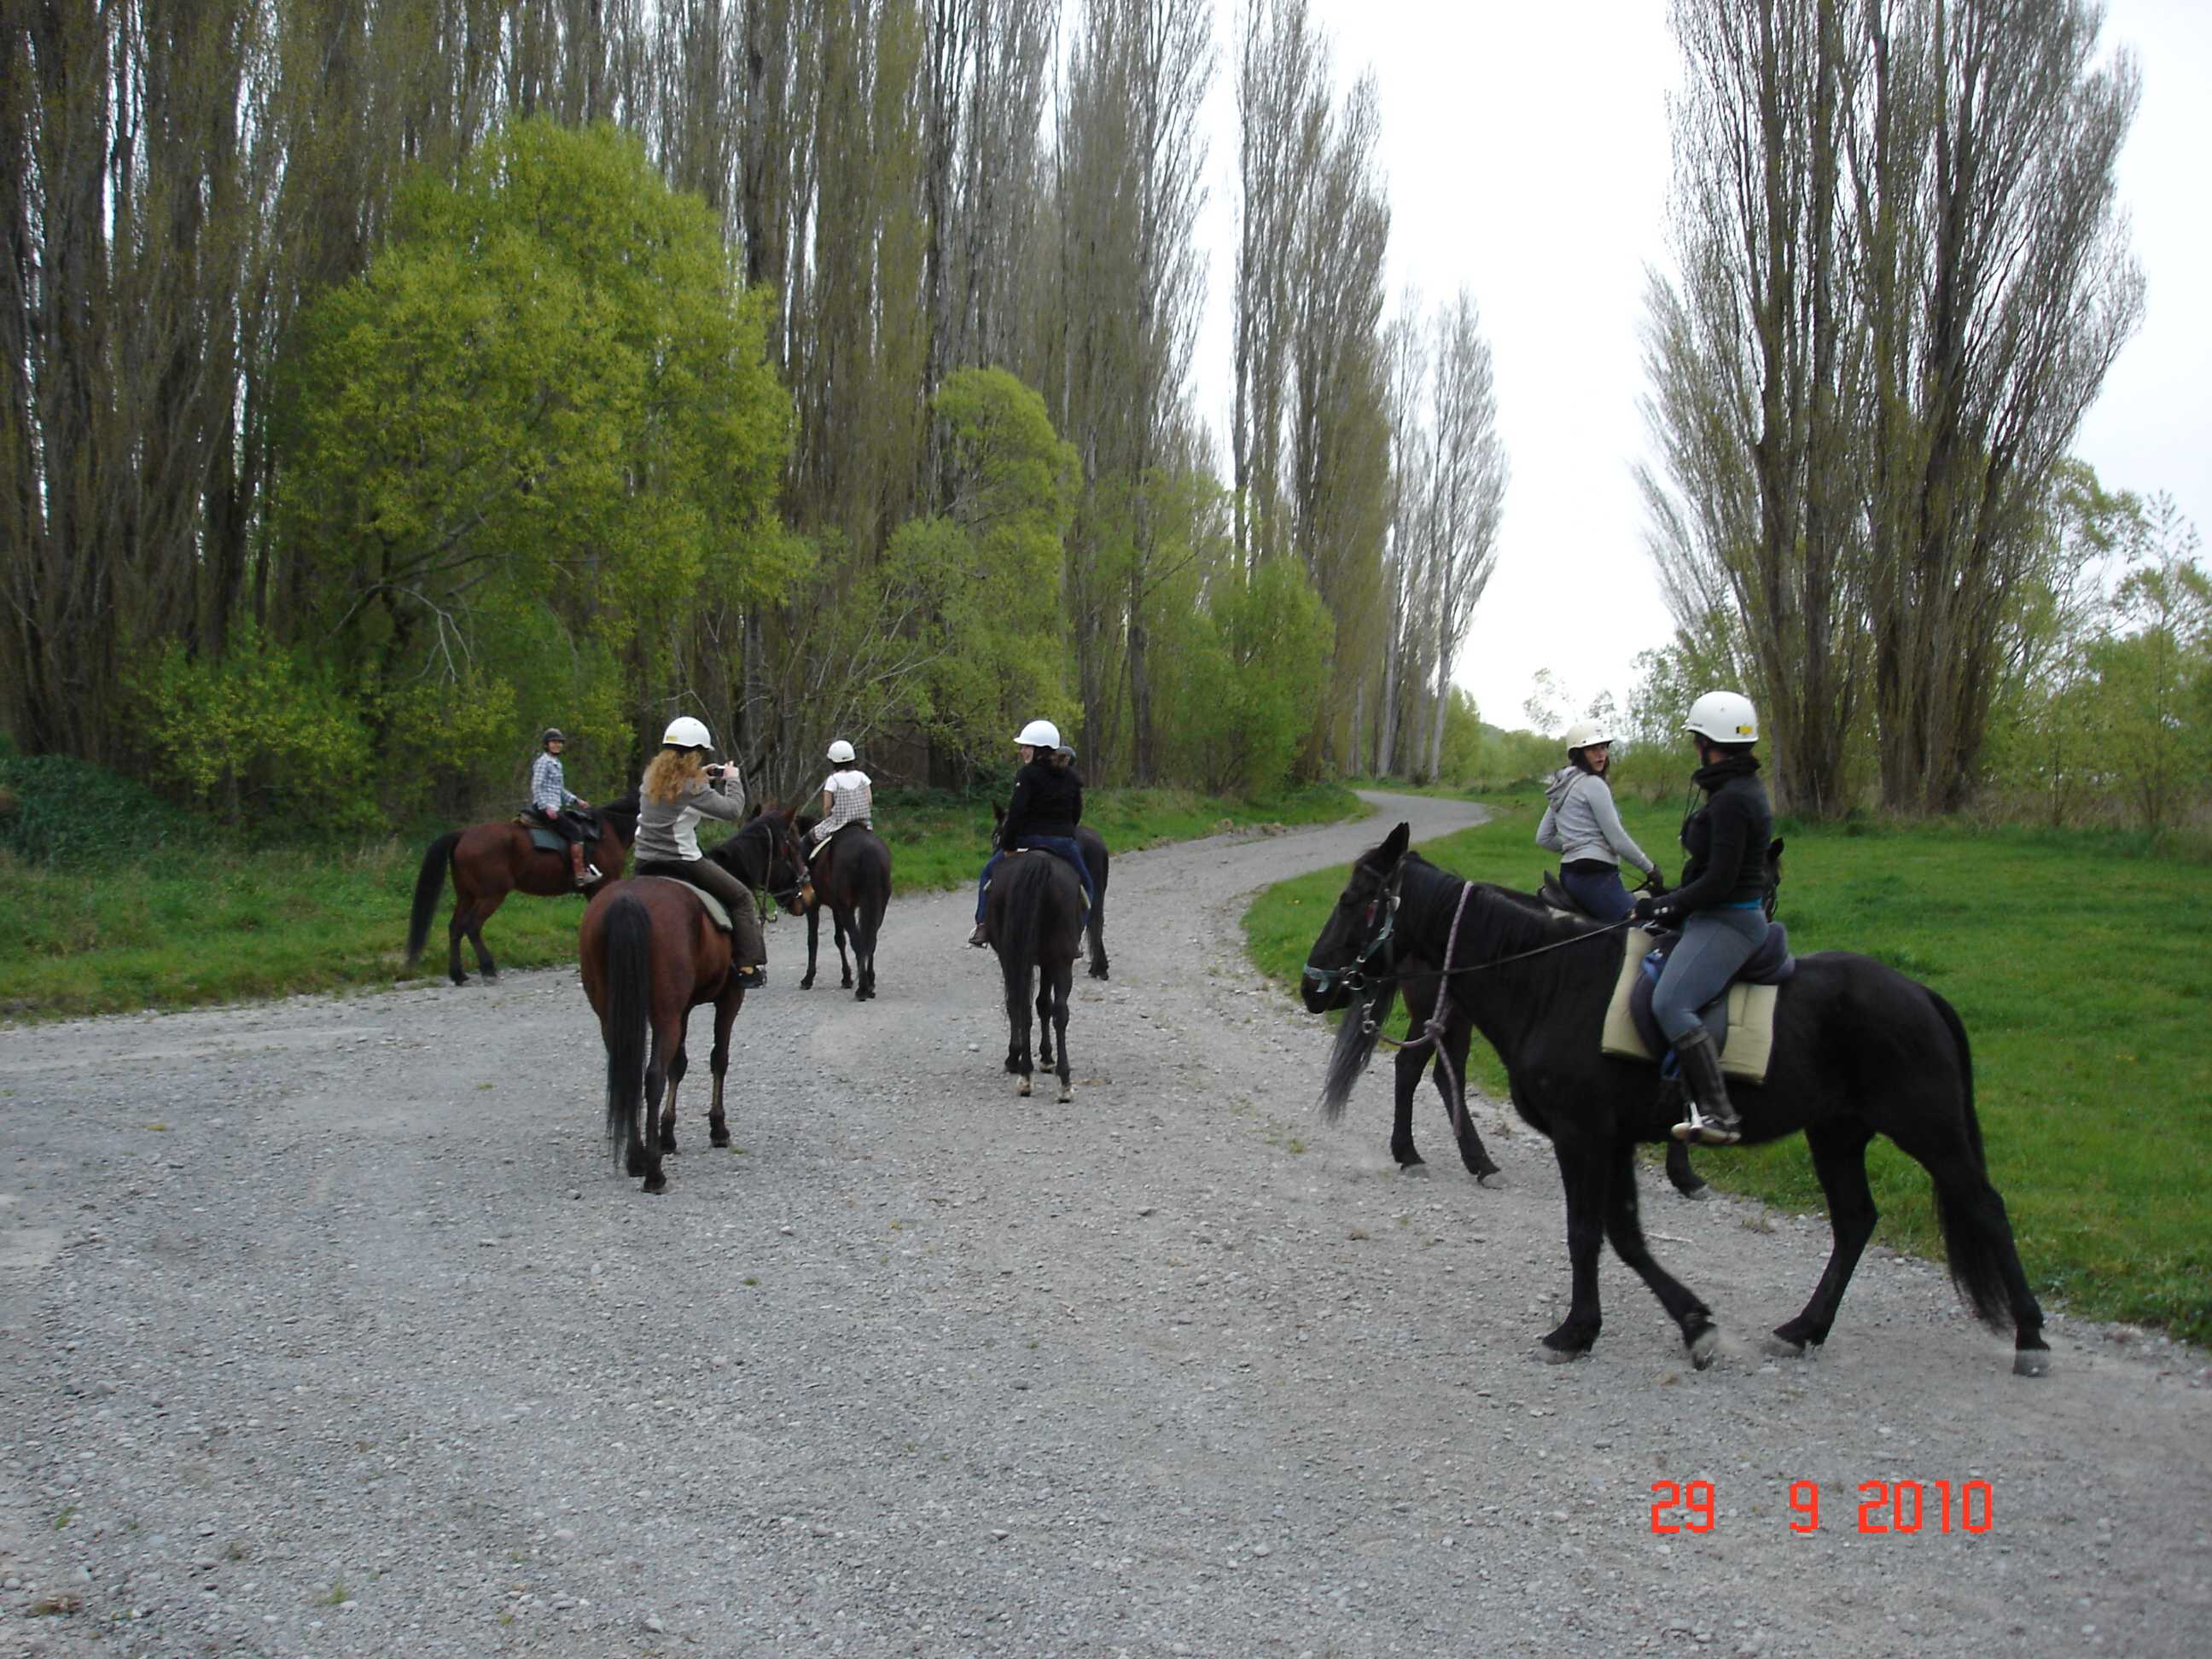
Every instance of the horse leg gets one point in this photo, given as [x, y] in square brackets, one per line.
[1471, 1152]
[1096, 927]
[873, 923]
[1687, 1182]
[1978, 1241]
[725, 1013]
[479, 913]
[1625, 1228]
[1018, 1038]
[839, 924]
[1044, 1017]
[1063, 981]
[813, 943]
[1839, 1160]
[645, 1149]
[1406, 1078]
[457, 929]
[1582, 1174]
[676, 1068]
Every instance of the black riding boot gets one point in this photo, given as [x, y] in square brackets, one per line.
[1701, 1070]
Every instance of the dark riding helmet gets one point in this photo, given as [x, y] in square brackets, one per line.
[550, 734]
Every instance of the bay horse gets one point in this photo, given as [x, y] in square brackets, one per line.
[650, 954]
[764, 855]
[852, 875]
[490, 861]
[1096, 860]
[1034, 912]
[1859, 1051]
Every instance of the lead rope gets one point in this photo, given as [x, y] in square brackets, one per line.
[1439, 1017]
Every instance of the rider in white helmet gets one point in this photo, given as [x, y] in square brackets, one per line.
[1046, 806]
[847, 796]
[1582, 827]
[681, 786]
[1719, 906]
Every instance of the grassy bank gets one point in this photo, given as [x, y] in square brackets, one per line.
[176, 930]
[2083, 971]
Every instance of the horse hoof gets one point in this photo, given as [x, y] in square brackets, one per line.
[1493, 1179]
[1416, 1168]
[656, 1184]
[718, 1140]
[1551, 1356]
[1022, 1086]
[1067, 1095]
[1778, 1347]
[2032, 1362]
[1703, 1346]
[1696, 1194]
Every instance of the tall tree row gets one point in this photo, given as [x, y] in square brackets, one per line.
[1901, 278]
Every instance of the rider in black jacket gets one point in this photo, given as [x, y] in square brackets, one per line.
[1718, 907]
[1047, 805]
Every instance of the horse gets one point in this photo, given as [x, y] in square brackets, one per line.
[650, 955]
[1859, 1051]
[1095, 860]
[1035, 908]
[1685, 1181]
[764, 855]
[490, 861]
[852, 875]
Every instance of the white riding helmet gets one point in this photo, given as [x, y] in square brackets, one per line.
[1724, 717]
[685, 733]
[1039, 734]
[840, 751]
[1587, 734]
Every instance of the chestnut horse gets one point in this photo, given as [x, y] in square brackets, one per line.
[650, 954]
[490, 861]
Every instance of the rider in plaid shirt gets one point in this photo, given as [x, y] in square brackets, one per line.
[548, 794]
[847, 797]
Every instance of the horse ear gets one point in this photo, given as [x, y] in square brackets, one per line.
[755, 813]
[1392, 848]
[1774, 850]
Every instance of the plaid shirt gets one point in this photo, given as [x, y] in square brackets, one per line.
[851, 801]
[548, 790]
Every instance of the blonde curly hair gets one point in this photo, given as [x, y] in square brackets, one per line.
[671, 773]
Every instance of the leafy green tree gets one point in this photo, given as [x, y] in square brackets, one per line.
[1256, 677]
[544, 409]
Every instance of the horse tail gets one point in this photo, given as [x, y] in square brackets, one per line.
[1356, 1034]
[1022, 910]
[427, 884]
[627, 941]
[1972, 1251]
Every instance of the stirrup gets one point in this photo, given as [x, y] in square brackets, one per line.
[1705, 1131]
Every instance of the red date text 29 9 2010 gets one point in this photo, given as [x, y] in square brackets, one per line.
[1885, 1506]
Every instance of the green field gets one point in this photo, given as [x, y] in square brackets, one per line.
[176, 929]
[2082, 968]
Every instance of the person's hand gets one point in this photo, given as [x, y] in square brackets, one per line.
[580, 801]
[1654, 882]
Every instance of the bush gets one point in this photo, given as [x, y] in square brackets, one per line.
[68, 813]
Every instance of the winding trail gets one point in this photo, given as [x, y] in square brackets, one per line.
[327, 1327]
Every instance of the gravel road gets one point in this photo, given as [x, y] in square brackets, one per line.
[327, 1327]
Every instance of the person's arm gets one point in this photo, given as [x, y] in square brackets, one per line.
[1547, 832]
[1727, 820]
[544, 794]
[1018, 808]
[712, 802]
[1609, 825]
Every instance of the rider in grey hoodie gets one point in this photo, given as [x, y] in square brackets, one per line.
[1581, 824]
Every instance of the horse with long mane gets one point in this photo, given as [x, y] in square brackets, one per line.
[650, 954]
[1099, 862]
[490, 861]
[1035, 916]
[1859, 1051]
[852, 875]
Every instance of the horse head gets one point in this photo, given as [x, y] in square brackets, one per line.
[1349, 936]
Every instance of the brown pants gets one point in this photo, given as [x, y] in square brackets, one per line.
[750, 949]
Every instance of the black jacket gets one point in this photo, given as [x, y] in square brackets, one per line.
[1726, 839]
[1048, 801]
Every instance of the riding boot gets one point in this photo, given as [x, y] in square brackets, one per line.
[1701, 1070]
[980, 938]
[585, 874]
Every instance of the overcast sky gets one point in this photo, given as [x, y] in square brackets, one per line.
[1527, 157]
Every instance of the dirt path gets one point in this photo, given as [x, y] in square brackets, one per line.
[327, 1327]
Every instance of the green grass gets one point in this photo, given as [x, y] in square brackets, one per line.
[2083, 970]
[183, 929]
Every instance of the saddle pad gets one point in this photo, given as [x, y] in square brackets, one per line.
[717, 912]
[1748, 1046]
[546, 842]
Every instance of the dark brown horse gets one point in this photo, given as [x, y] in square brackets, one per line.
[853, 877]
[1099, 863]
[490, 861]
[650, 955]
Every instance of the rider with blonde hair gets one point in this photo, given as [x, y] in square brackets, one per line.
[681, 786]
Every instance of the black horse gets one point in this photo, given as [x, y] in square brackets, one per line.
[1097, 861]
[1553, 891]
[852, 875]
[1859, 1051]
[1034, 910]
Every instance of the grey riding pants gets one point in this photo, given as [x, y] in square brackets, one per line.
[1713, 945]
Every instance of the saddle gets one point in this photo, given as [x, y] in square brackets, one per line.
[1744, 1011]
[717, 912]
[546, 842]
[823, 846]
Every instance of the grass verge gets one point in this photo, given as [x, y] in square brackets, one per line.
[182, 929]
[2083, 971]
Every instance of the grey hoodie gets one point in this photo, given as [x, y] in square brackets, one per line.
[1580, 822]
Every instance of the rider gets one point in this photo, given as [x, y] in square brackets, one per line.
[679, 787]
[1581, 824]
[847, 797]
[1046, 806]
[549, 793]
[1718, 905]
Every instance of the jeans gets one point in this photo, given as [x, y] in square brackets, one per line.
[750, 949]
[1713, 945]
[1601, 895]
[1064, 845]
